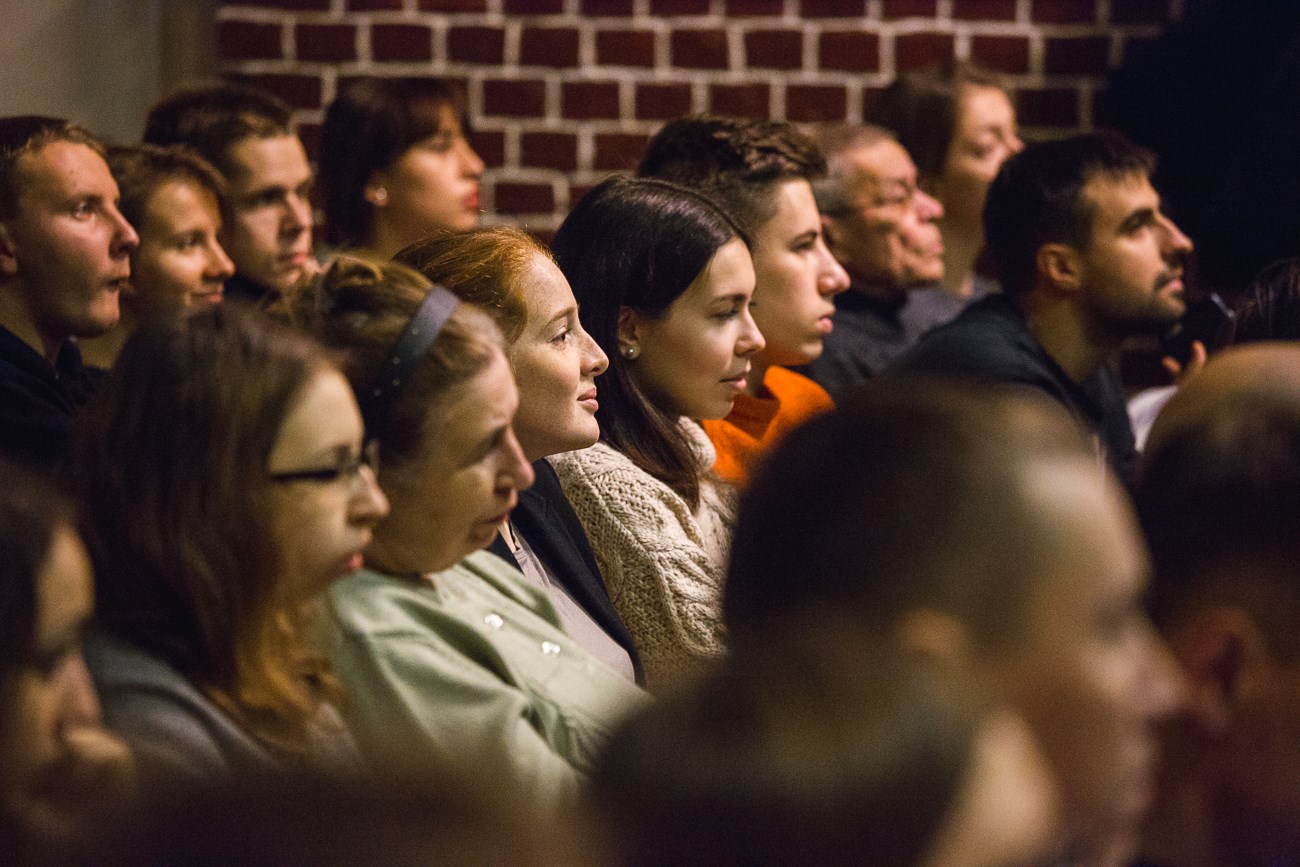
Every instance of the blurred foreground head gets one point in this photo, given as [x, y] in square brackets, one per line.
[977, 528]
[825, 749]
[1219, 497]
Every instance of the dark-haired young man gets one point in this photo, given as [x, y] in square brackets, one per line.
[1086, 259]
[249, 136]
[64, 259]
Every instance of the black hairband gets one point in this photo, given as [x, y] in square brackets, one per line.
[416, 338]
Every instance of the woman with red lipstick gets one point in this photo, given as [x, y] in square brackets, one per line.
[395, 164]
[445, 649]
[664, 280]
[555, 362]
[223, 487]
[174, 199]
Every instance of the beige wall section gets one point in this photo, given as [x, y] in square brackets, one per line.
[101, 62]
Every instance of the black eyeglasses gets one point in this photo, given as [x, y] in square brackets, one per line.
[348, 469]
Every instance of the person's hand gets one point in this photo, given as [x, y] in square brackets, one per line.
[1180, 373]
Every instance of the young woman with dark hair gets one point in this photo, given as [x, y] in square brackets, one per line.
[509, 274]
[664, 280]
[395, 164]
[445, 649]
[224, 486]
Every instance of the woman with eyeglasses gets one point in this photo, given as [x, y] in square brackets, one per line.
[445, 649]
[223, 487]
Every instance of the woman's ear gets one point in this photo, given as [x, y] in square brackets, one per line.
[629, 336]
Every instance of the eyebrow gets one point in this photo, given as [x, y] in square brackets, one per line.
[571, 310]
[1137, 218]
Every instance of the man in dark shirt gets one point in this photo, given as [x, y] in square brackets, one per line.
[1087, 259]
[882, 229]
[64, 259]
[249, 136]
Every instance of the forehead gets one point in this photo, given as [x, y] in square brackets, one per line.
[324, 417]
[1114, 198]
[884, 163]
[983, 106]
[62, 169]
[180, 200]
[795, 212]
[729, 272]
[545, 289]
[473, 409]
[275, 160]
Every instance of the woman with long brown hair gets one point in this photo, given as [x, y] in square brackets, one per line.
[223, 487]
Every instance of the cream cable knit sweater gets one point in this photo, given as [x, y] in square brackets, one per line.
[663, 563]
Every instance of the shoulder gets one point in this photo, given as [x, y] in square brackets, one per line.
[989, 339]
[797, 393]
[172, 726]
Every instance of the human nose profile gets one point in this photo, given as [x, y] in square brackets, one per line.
[832, 279]
[519, 471]
[750, 339]
[595, 361]
[125, 238]
[927, 207]
[369, 503]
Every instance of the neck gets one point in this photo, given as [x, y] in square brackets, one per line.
[17, 318]
[755, 383]
[1180, 826]
[385, 242]
[102, 351]
[1066, 335]
[961, 250]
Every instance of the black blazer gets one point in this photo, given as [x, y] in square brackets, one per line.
[546, 519]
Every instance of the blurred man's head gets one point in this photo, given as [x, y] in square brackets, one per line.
[249, 136]
[1219, 497]
[64, 245]
[990, 538]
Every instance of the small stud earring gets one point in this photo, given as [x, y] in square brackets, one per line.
[628, 352]
[380, 196]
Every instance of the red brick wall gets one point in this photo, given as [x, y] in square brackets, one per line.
[562, 92]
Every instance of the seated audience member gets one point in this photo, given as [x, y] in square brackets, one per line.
[881, 227]
[64, 259]
[991, 542]
[175, 200]
[513, 278]
[664, 282]
[1087, 259]
[821, 749]
[1270, 309]
[1219, 498]
[395, 164]
[959, 125]
[223, 488]
[759, 171]
[248, 134]
[59, 768]
[445, 649]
